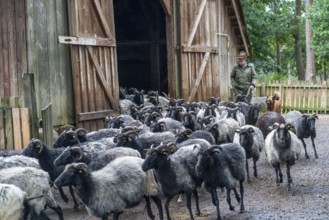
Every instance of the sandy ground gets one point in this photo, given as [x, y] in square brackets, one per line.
[308, 198]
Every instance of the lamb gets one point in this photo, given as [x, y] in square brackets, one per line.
[273, 103]
[121, 184]
[268, 119]
[175, 172]
[222, 166]
[11, 202]
[252, 140]
[46, 156]
[95, 161]
[304, 127]
[282, 146]
[35, 183]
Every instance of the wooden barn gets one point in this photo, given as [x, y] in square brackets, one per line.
[72, 55]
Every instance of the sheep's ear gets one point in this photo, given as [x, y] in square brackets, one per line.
[289, 126]
[275, 125]
[315, 116]
[216, 151]
[237, 131]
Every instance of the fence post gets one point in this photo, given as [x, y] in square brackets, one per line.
[47, 124]
[31, 102]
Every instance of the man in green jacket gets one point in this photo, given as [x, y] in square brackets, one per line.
[243, 77]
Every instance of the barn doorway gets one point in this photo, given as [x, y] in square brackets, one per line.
[140, 27]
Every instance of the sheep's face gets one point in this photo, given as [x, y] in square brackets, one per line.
[205, 158]
[65, 157]
[282, 133]
[126, 139]
[175, 113]
[66, 139]
[33, 149]
[183, 136]
[158, 127]
[188, 119]
[71, 175]
[246, 136]
[138, 97]
[158, 155]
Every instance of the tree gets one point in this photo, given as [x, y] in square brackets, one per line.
[297, 37]
[310, 56]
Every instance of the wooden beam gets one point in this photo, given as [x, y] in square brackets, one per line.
[17, 129]
[103, 20]
[196, 22]
[166, 6]
[86, 41]
[96, 115]
[240, 26]
[26, 133]
[100, 76]
[199, 49]
[199, 76]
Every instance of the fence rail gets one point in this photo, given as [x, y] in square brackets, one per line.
[307, 97]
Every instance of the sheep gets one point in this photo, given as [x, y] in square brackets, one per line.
[268, 119]
[250, 112]
[167, 124]
[175, 112]
[95, 161]
[18, 161]
[190, 121]
[143, 141]
[236, 115]
[175, 172]
[11, 202]
[9, 153]
[273, 103]
[46, 156]
[121, 121]
[282, 146]
[223, 130]
[189, 134]
[304, 127]
[119, 185]
[126, 106]
[252, 140]
[222, 166]
[35, 183]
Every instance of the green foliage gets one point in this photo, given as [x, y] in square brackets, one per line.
[320, 24]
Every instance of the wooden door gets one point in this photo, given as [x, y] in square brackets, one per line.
[200, 79]
[94, 61]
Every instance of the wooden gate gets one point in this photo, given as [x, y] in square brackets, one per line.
[199, 25]
[94, 61]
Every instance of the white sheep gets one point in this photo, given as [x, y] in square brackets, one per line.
[282, 146]
[11, 202]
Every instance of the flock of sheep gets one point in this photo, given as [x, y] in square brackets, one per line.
[156, 148]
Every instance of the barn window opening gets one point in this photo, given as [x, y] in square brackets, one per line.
[140, 28]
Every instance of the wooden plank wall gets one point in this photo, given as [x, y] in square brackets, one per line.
[49, 60]
[14, 128]
[307, 97]
[215, 19]
[13, 59]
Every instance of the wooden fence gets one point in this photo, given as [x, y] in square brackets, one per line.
[14, 128]
[307, 97]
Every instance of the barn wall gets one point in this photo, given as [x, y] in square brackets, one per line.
[13, 47]
[215, 19]
[48, 60]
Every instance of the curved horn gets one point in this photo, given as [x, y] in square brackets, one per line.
[79, 151]
[38, 144]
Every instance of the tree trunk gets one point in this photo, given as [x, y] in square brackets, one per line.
[278, 54]
[310, 56]
[298, 48]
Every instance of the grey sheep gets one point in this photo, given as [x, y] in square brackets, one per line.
[222, 166]
[223, 130]
[189, 134]
[304, 127]
[121, 184]
[35, 182]
[11, 202]
[167, 124]
[18, 161]
[94, 160]
[175, 172]
[282, 146]
[252, 140]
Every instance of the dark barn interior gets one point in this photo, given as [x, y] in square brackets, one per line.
[141, 44]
